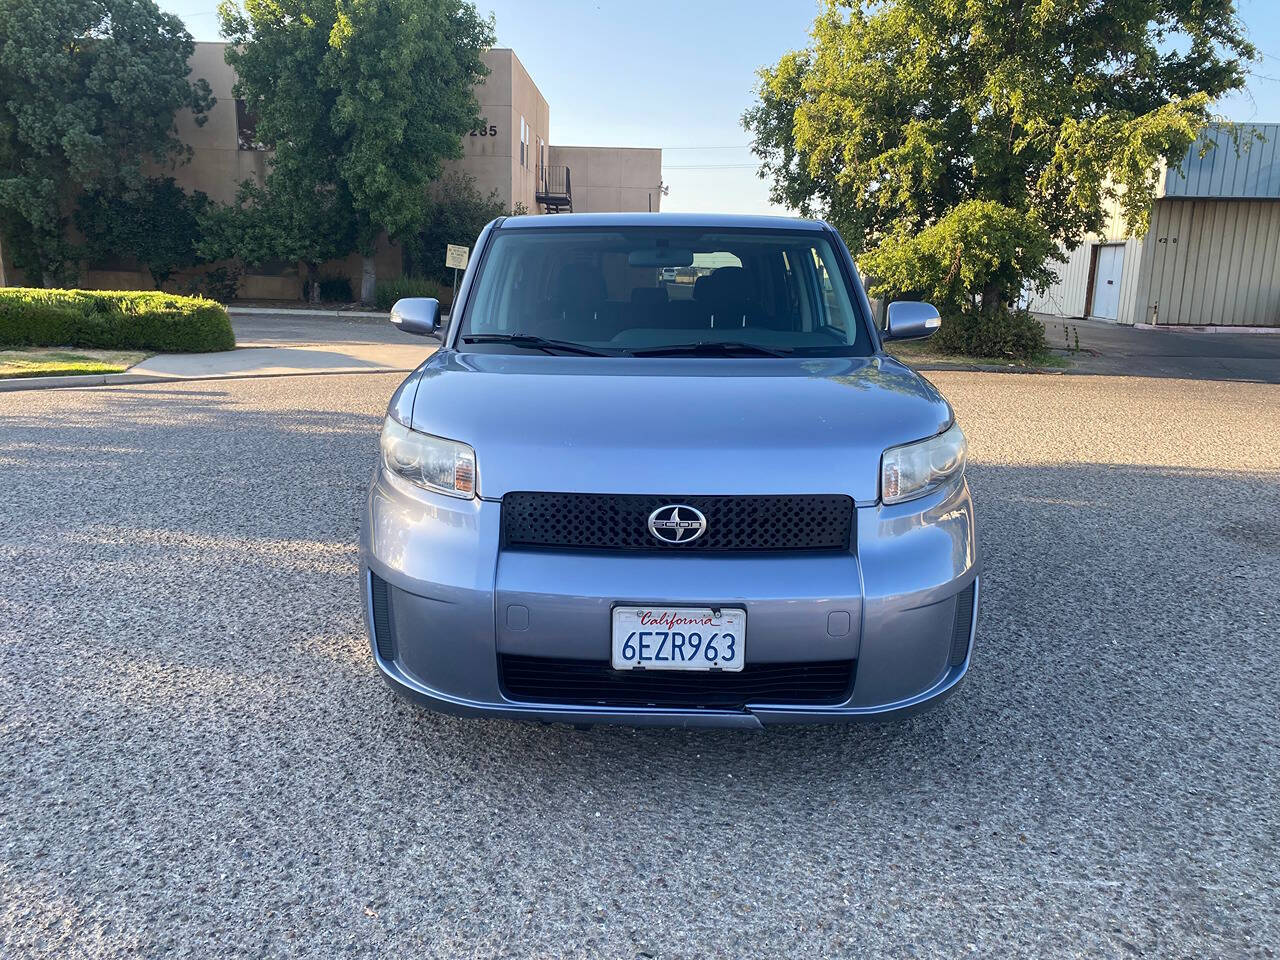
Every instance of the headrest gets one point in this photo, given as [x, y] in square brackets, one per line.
[726, 285]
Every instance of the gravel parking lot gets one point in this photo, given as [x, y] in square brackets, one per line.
[197, 758]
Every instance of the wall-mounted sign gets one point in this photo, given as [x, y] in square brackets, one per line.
[456, 257]
[490, 131]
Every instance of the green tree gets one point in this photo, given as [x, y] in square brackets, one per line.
[88, 92]
[957, 143]
[272, 222]
[157, 224]
[361, 101]
[456, 212]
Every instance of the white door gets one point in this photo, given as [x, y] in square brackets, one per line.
[1106, 281]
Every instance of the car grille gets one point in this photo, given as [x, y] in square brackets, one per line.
[590, 521]
[596, 683]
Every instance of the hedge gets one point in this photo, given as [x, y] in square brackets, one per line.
[112, 320]
[385, 294]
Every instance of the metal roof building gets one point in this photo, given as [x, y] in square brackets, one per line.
[1211, 256]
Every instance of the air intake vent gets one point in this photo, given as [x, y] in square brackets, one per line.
[382, 636]
[596, 683]
[963, 629]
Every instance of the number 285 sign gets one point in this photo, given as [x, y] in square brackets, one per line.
[490, 131]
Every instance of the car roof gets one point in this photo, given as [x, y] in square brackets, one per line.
[705, 220]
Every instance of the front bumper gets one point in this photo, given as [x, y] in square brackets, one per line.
[444, 603]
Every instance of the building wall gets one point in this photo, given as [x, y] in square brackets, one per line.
[1212, 262]
[492, 151]
[217, 165]
[527, 103]
[612, 179]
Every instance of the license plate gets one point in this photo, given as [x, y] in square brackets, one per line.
[678, 638]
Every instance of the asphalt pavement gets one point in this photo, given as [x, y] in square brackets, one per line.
[197, 758]
[1178, 353]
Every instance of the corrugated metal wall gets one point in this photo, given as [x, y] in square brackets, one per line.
[1133, 253]
[1212, 262]
[1252, 171]
[1066, 297]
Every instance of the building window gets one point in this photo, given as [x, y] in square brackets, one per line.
[247, 128]
[541, 158]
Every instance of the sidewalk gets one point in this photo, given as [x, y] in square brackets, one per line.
[295, 327]
[279, 360]
[280, 344]
[252, 361]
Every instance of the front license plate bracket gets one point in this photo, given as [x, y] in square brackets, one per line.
[660, 637]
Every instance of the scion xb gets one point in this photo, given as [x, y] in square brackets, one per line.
[662, 471]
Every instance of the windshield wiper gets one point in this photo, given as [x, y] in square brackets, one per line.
[537, 343]
[712, 348]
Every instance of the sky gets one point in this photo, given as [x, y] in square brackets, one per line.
[678, 75]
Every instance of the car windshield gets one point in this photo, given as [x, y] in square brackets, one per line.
[669, 292]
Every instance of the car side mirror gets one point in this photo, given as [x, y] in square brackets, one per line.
[417, 315]
[911, 320]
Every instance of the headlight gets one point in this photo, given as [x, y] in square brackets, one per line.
[444, 466]
[914, 469]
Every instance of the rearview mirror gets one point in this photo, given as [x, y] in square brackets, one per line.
[417, 315]
[660, 257]
[911, 320]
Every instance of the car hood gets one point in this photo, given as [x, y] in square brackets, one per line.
[678, 426]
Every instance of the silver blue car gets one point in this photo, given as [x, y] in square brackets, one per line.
[662, 471]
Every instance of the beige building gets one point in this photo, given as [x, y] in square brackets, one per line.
[507, 151]
[508, 154]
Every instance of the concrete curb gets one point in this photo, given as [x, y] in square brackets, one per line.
[15, 384]
[1177, 328]
[78, 380]
[305, 312]
[987, 368]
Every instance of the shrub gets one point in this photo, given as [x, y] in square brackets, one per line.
[334, 288]
[385, 294]
[220, 284]
[157, 224]
[455, 212]
[1015, 335]
[115, 320]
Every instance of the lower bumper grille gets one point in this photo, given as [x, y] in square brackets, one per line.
[962, 630]
[382, 635]
[596, 683]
